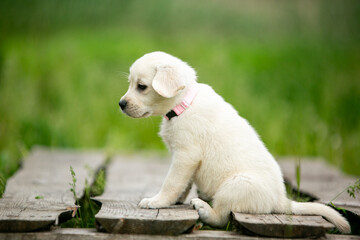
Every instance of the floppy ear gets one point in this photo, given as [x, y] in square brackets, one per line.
[167, 81]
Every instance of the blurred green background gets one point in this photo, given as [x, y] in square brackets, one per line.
[292, 68]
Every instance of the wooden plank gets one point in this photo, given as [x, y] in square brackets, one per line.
[341, 237]
[39, 193]
[128, 181]
[91, 234]
[277, 225]
[321, 180]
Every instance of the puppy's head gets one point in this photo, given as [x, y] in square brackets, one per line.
[157, 81]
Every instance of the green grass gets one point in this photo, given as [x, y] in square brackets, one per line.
[290, 68]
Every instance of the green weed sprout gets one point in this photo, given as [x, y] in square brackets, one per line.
[73, 184]
[351, 190]
[2, 185]
[73, 190]
[298, 176]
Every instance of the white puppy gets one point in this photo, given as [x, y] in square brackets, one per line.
[211, 145]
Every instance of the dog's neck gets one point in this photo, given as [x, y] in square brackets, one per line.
[185, 103]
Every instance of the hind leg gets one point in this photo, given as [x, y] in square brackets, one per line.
[239, 193]
[224, 201]
[213, 217]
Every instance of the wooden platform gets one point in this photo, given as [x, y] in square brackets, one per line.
[38, 198]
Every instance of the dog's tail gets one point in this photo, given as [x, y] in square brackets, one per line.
[304, 208]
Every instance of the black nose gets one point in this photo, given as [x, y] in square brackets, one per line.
[122, 104]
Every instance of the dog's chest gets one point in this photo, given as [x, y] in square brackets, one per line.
[172, 134]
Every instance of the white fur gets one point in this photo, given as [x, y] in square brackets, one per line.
[212, 146]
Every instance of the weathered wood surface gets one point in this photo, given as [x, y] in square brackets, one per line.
[92, 234]
[128, 181]
[39, 192]
[276, 225]
[321, 180]
[46, 174]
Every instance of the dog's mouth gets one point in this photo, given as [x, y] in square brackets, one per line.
[145, 115]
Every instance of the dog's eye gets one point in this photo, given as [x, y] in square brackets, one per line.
[141, 87]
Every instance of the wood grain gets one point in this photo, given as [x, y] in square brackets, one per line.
[39, 192]
[128, 181]
[276, 225]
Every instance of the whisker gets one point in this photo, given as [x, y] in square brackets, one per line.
[123, 74]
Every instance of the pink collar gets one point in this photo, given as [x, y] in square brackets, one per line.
[185, 103]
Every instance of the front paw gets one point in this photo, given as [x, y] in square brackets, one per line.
[154, 202]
